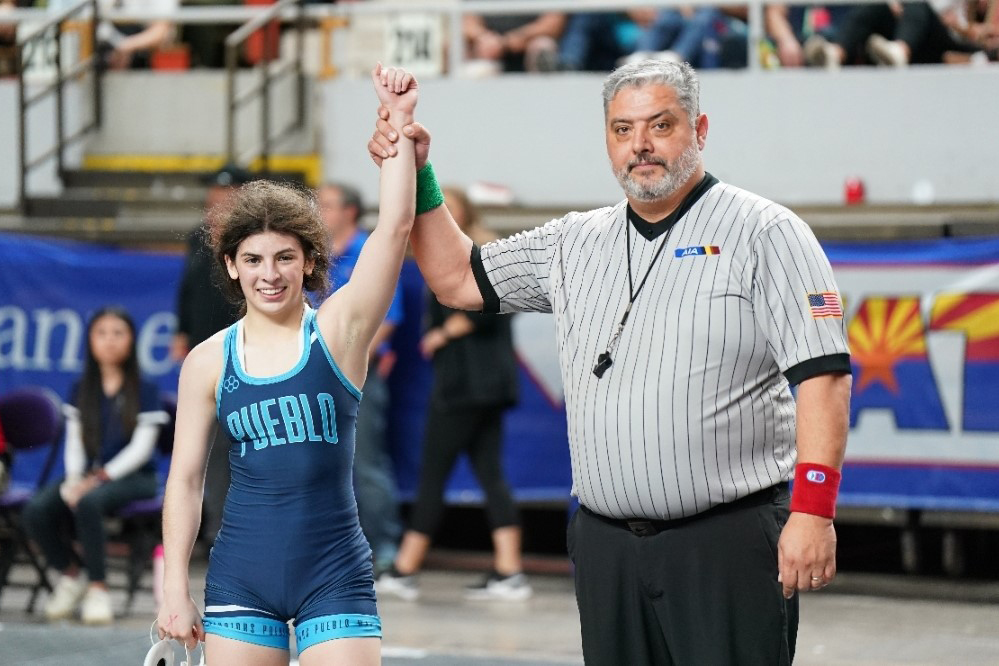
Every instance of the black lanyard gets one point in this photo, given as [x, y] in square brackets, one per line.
[604, 360]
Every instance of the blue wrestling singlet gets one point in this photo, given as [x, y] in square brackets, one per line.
[290, 546]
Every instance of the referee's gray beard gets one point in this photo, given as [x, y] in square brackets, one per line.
[673, 179]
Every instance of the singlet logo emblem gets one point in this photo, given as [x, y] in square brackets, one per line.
[230, 384]
[815, 476]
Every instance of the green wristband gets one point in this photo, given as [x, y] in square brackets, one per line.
[428, 192]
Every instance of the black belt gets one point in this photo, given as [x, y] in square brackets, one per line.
[646, 527]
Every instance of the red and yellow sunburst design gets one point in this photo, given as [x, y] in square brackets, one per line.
[975, 314]
[884, 332]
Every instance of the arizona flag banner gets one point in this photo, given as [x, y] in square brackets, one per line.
[923, 326]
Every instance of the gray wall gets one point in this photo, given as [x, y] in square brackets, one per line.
[161, 113]
[792, 135]
[183, 113]
[8, 143]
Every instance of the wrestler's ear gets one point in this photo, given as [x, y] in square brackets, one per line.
[230, 268]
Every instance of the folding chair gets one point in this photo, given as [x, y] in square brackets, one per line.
[141, 519]
[32, 418]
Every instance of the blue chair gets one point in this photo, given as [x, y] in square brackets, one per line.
[141, 519]
[32, 419]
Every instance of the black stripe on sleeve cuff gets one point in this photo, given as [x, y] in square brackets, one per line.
[822, 365]
[490, 301]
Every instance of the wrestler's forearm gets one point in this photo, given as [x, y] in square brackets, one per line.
[181, 520]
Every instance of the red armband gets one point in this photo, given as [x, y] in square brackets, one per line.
[815, 489]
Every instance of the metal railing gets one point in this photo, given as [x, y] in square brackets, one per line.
[57, 87]
[269, 74]
[452, 9]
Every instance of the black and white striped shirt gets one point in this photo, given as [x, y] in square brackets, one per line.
[696, 409]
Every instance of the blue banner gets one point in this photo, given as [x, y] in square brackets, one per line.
[922, 319]
[49, 288]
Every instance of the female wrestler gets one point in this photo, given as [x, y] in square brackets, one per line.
[283, 384]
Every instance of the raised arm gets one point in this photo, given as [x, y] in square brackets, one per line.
[443, 253]
[178, 616]
[351, 316]
[441, 248]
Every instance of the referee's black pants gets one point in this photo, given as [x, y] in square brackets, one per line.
[701, 591]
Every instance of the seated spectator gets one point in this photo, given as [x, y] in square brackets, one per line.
[515, 43]
[705, 37]
[7, 31]
[207, 40]
[789, 27]
[113, 419]
[130, 45]
[975, 26]
[685, 34]
[8, 37]
[893, 34]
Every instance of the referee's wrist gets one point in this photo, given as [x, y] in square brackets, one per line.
[815, 489]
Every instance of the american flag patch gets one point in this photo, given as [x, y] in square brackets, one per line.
[825, 304]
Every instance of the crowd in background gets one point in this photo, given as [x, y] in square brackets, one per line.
[893, 34]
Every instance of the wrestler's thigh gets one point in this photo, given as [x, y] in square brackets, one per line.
[221, 650]
[359, 651]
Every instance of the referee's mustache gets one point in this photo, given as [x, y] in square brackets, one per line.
[644, 159]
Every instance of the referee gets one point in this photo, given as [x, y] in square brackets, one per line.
[684, 315]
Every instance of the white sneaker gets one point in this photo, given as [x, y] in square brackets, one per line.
[65, 597]
[96, 608]
[886, 52]
[819, 52]
[496, 586]
[393, 583]
[637, 56]
[667, 56]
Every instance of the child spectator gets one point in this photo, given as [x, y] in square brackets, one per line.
[112, 423]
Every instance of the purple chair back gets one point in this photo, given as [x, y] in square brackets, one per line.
[31, 417]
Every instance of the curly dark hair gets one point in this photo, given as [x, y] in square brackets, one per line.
[261, 206]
